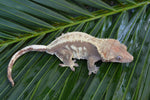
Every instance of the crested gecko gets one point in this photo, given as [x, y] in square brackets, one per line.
[78, 45]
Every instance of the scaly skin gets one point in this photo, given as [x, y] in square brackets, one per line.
[79, 45]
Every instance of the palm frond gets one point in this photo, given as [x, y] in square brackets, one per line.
[38, 75]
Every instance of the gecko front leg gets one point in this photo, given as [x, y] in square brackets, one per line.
[66, 57]
[91, 64]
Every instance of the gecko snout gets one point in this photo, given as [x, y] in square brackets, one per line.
[130, 57]
[127, 57]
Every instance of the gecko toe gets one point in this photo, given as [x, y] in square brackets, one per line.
[76, 65]
[94, 71]
[72, 68]
[71, 65]
[90, 73]
[62, 65]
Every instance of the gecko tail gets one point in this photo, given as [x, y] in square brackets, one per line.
[40, 48]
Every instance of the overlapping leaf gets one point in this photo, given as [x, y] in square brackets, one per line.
[38, 75]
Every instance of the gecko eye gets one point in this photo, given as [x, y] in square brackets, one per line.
[118, 58]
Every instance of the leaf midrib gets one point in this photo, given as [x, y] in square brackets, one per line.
[75, 23]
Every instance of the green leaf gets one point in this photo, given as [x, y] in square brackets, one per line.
[37, 75]
[96, 4]
[10, 26]
[6, 36]
[36, 10]
[21, 17]
[64, 6]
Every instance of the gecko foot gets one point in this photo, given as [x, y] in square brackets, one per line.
[65, 65]
[71, 65]
[94, 71]
[75, 64]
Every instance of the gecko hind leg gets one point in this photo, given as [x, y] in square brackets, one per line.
[66, 57]
[91, 64]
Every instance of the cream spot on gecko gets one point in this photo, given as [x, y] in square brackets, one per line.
[67, 47]
[84, 48]
[73, 47]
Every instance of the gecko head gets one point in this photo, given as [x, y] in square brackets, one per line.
[118, 53]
